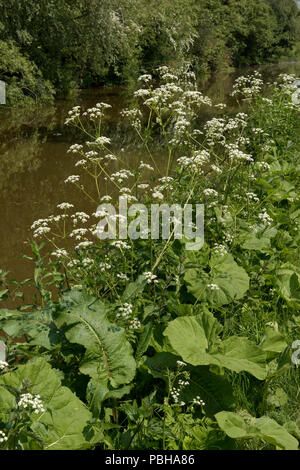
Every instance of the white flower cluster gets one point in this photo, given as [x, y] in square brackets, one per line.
[75, 148]
[181, 363]
[228, 238]
[145, 78]
[121, 176]
[213, 287]
[83, 162]
[60, 253]
[219, 129]
[81, 217]
[87, 262]
[198, 401]
[72, 179]
[73, 263]
[78, 233]
[252, 197]
[3, 365]
[104, 267]
[151, 278]
[65, 206]
[74, 114]
[83, 245]
[248, 87]
[220, 105]
[102, 141]
[141, 93]
[135, 324]
[287, 83]
[157, 195]
[125, 311]
[175, 392]
[264, 166]
[97, 111]
[3, 437]
[220, 250]
[265, 218]
[236, 154]
[122, 277]
[258, 130]
[145, 166]
[134, 115]
[41, 231]
[121, 245]
[31, 402]
[216, 169]
[210, 192]
[196, 97]
[195, 162]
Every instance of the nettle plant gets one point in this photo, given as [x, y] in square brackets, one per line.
[148, 344]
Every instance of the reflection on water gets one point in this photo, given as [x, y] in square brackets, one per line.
[34, 162]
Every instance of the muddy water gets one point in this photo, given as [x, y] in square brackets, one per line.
[34, 162]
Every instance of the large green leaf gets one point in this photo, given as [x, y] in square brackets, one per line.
[240, 354]
[288, 283]
[273, 343]
[109, 356]
[63, 426]
[258, 239]
[231, 281]
[214, 389]
[187, 337]
[97, 392]
[238, 427]
[161, 363]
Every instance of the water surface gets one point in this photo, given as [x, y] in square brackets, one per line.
[34, 162]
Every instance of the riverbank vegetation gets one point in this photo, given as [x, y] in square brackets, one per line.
[55, 47]
[145, 344]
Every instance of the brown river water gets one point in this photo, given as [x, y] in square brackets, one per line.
[34, 162]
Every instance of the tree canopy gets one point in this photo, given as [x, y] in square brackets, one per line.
[79, 43]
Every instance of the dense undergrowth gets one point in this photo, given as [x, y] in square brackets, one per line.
[150, 345]
[51, 47]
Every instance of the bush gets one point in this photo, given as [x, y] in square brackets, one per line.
[25, 83]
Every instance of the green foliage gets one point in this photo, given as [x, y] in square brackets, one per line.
[64, 424]
[264, 428]
[187, 337]
[25, 83]
[108, 354]
[143, 343]
[231, 279]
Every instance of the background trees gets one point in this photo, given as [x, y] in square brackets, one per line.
[81, 43]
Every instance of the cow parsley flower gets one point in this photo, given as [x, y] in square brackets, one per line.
[125, 311]
[3, 365]
[103, 141]
[72, 179]
[213, 287]
[121, 245]
[265, 218]
[135, 324]
[32, 403]
[198, 401]
[3, 437]
[151, 278]
[65, 206]
[60, 253]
